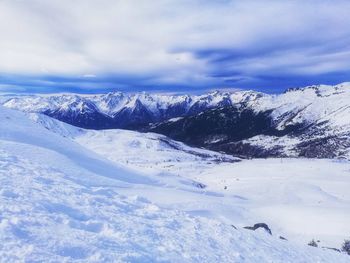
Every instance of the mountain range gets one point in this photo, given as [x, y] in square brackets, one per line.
[159, 200]
[313, 121]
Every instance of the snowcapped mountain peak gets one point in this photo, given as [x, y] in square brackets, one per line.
[316, 106]
[114, 105]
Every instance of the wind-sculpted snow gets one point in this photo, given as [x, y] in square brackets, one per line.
[60, 202]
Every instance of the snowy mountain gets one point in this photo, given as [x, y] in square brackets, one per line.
[116, 110]
[68, 195]
[308, 122]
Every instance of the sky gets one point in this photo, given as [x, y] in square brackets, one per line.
[172, 45]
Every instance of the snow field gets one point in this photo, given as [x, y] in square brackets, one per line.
[62, 202]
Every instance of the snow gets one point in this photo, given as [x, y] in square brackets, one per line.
[269, 142]
[62, 200]
[175, 119]
[302, 198]
[311, 104]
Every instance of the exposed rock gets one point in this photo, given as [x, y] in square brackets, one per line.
[259, 225]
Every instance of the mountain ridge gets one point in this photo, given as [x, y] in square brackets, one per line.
[119, 107]
[312, 121]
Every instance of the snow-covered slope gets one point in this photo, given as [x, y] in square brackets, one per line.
[302, 199]
[323, 115]
[60, 202]
[272, 190]
[308, 122]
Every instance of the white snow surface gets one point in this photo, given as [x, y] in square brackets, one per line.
[71, 195]
[303, 199]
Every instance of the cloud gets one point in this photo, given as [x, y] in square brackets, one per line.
[173, 43]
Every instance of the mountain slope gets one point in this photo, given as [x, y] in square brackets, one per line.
[62, 202]
[308, 122]
[231, 190]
